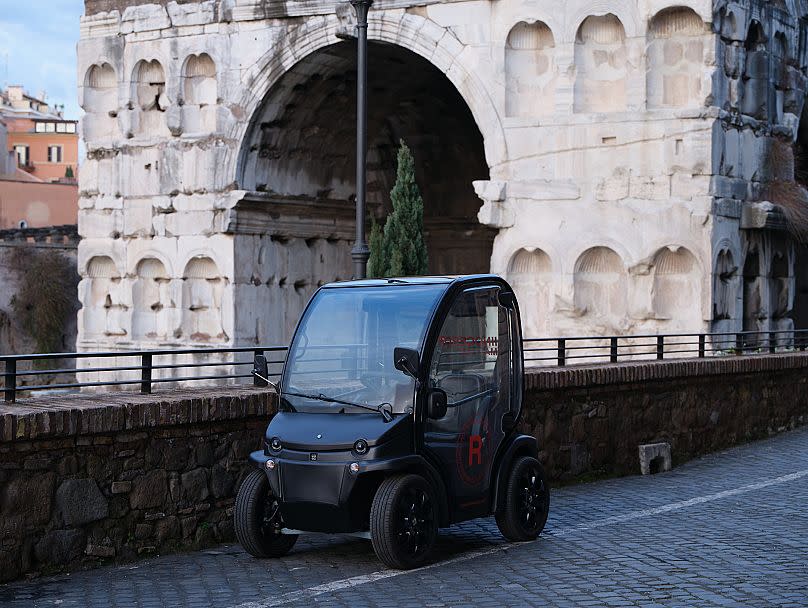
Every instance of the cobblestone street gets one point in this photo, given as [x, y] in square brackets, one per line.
[730, 529]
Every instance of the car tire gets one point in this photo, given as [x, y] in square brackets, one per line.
[257, 519]
[404, 521]
[527, 501]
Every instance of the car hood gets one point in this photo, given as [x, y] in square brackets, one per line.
[323, 432]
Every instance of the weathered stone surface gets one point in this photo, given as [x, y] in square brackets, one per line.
[194, 486]
[590, 131]
[148, 490]
[79, 501]
[59, 547]
[27, 499]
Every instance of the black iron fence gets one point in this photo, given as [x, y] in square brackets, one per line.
[23, 375]
[137, 368]
[615, 349]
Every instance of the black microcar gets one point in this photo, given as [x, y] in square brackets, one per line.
[398, 410]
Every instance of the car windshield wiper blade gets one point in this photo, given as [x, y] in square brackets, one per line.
[386, 414]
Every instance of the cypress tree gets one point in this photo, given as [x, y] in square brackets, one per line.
[401, 247]
[375, 262]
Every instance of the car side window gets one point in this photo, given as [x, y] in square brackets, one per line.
[471, 360]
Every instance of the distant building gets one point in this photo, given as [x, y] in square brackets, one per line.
[38, 163]
[45, 143]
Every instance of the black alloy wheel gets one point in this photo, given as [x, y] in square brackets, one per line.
[403, 521]
[527, 501]
[257, 519]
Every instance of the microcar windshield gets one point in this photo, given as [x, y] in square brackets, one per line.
[343, 348]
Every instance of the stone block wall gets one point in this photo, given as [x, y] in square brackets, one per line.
[90, 478]
[590, 420]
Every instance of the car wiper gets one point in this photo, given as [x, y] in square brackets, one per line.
[384, 411]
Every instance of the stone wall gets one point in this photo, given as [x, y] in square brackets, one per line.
[85, 479]
[616, 149]
[590, 420]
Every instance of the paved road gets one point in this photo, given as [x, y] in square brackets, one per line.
[727, 530]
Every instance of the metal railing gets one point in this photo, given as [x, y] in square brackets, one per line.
[144, 369]
[614, 349]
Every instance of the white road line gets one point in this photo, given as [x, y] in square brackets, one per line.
[364, 579]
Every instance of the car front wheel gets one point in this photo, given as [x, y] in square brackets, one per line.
[403, 521]
[257, 519]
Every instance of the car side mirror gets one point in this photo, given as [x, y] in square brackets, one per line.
[261, 372]
[507, 299]
[406, 360]
[436, 404]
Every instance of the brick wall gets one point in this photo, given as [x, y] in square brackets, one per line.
[88, 478]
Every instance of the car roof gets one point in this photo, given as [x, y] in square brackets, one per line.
[395, 281]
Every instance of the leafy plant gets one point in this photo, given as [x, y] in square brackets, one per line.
[399, 250]
[46, 297]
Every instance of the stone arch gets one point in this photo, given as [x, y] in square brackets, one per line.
[601, 65]
[725, 286]
[301, 147]
[754, 305]
[675, 56]
[599, 284]
[756, 73]
[202, 290]
[530, 77]
[199, 94]
[530, 275]
[102, 309]
[151, 301]
[676, 286]
[149, 96]
[100, 102]
[781, 289]
[418, 34]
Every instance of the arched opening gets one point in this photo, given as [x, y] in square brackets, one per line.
[529, 70]
[756, 73]
[601, 64]
[151, 301]
[599, 284]
[675, 56]
[202, 291]
[529, 273]
[102, 308]
[100, 102]
[298, 159]
[754, 309]
[725, 291]
[781, 287]
[149, 93]
[676, 294]
[199, 94]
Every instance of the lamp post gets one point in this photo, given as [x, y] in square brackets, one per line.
[360, 252]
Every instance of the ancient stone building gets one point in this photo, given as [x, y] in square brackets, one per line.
[626, 163]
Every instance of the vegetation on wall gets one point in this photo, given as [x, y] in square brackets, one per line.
[46, 296]
[786, 186]
[399, 249]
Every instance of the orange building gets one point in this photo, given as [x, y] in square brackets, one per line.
[45, 143]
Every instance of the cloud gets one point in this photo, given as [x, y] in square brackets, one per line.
[38, 44]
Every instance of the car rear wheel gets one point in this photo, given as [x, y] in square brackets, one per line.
[257, 519]
[403, 521]
[527, 501]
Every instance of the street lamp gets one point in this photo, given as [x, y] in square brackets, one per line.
[360, 252]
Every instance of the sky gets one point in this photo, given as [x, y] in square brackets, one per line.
[38, 44]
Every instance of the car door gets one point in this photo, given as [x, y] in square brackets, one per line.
[471, 362]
